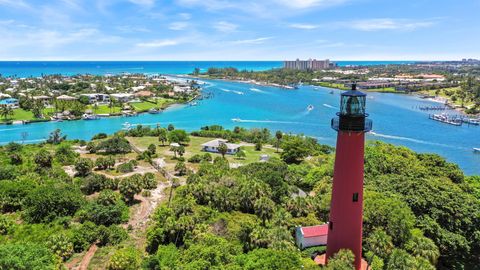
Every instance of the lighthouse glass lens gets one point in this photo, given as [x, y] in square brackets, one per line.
[353, 105]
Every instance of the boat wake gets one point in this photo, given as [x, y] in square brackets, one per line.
[265, 121]
[257, 90]
[330, 106]
[400, 138]
[232, 91]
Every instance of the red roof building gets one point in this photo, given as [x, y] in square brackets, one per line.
[311, 236]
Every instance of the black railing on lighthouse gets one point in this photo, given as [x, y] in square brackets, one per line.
[352, 116]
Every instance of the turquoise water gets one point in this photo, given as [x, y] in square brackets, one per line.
[38, 68]
[394, 119]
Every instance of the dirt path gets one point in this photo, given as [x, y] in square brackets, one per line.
[88, 257]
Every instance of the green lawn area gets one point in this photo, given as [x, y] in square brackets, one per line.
[333, 85]
[19, 114]
[104, 109]
[194, 147]
[443, 93]
[145, 106]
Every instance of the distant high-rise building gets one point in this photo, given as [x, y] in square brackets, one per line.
[310, 64]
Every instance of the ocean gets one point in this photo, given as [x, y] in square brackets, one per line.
[24, 69]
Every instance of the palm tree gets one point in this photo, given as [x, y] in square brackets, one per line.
[279, 136]
[264, 208]
[6, 111]
[222, 149]
[421, 246]
[401, 260]
[380, 243]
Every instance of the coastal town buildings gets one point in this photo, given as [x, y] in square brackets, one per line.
[310, 64]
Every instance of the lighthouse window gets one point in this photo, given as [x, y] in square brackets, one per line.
[330, 224]
[355, 197]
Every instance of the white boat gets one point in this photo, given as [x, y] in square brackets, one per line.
[236, 119]
[90, 117]
[476, 150]
[310, 107]
[153, 111]
[193, 103]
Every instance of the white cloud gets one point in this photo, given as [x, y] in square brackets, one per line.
[177, 26]
[15, 3]
[185, 16]
[302, 4]
[224, 26]
[386, 24]
[158, 43]
[144, 3]
[132, 29]
[303, 26]
[252, 41]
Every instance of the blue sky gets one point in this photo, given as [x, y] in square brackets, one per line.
[239, 30]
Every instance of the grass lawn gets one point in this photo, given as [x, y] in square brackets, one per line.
[333, 85]
[194, 148]
[18, 115]
[443, 93]
[104, 109]
[145, 106]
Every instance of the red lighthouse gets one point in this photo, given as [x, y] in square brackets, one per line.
[346, 209]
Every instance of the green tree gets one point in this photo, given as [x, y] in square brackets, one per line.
[401, 260]
[294, 149]
[170, 127]
[60, 245]
[162, 136]
[25, 256]
[56, 137]
[83, 166]
[129, 186]
[6, 111]
[43, 159]
[379, 243]
[422, 246]
[125, 259]
[222, 149]
[342, 260]
[47, 202]
[178, 136]
[181, 168]
[152, 149]
[279, 136]
[264, 207]
[241, 154]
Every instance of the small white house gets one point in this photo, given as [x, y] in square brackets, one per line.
[311, 236]
[96, 97]
[122, 97]
[212, 146]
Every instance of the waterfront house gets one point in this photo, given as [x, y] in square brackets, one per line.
[144, 94]
[44, 99]
[122, 97]
[212, 146]
[311, 236]
[10, 102]
[96, 97]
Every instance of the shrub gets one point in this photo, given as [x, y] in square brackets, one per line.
[65, 155]
[104, 214]
[91, 147]
[99, 136]
[149, 181]
[27, 256]
[180, 168]
[195, 159]
[83, 166]
[45, 203]
[129, 186]
[60, 245]
[125, 259]
[97, 182]
[115, 145]
[16, 159]
[84, 235]
[112, 235]
[6, 225]
[207, 157]
[43, 159]
[125, 167]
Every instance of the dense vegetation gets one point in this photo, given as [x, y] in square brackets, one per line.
[421, 212]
